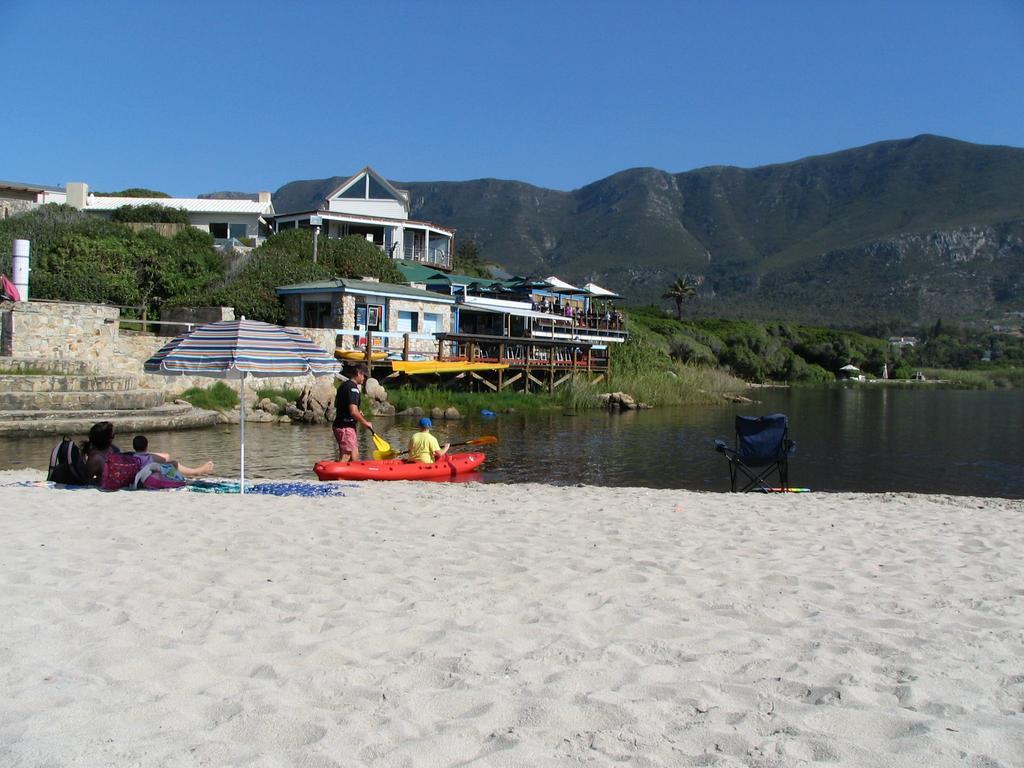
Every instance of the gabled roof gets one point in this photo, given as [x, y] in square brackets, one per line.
[366, 287]
[190, 204]
[398, 194]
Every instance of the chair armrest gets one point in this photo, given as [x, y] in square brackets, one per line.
[790, 446]
[722, 447]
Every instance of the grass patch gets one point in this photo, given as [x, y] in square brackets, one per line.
[680, 384]
[278, 395]
[470, 402]
[217, 397]
[995, 378]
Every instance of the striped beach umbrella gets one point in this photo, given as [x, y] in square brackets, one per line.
[234, 349]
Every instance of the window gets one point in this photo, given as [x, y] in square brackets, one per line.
[432, 322]
[369, 316]
[219, 231]
[316, 314]
[357, 190]
[378, 191]
[408, 322]
[239, 231]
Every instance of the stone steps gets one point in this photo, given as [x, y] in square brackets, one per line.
[77, 423]
[66, 397]
[126, 400]
[68, 383]
[53, 367]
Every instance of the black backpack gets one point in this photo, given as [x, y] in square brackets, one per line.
[67, 465]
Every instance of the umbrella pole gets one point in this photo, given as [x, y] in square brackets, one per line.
[241, 472]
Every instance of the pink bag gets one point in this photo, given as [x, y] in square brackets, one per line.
[119, 470]
[160, 477]
[8, 290]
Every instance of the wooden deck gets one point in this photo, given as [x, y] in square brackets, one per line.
[533, 365]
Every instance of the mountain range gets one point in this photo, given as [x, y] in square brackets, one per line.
[898, 232]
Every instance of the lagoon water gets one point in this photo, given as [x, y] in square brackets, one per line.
[848, 439]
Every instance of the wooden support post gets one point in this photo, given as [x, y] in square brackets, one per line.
[440, 349]
[510, 381]
[369, 356]
[551, 369]
[555, 385]
[484, 381]
[405, 346]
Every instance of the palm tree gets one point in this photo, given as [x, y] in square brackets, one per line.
[681, 290]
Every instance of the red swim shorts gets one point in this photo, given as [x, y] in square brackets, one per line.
[346, 437]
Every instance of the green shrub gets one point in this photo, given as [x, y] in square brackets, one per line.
[217, 397]
[151, 213]
[285, 259]
[82, 257]
[278, 395]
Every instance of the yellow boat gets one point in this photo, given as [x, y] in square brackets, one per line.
[442, 366]
[357, 355]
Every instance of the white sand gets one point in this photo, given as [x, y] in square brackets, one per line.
[452, 625]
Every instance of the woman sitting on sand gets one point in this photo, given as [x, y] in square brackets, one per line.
[99, 445]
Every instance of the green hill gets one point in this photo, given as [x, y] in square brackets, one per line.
[895, 232]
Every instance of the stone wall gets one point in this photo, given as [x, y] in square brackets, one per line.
[50, 333]
[192, 315]
[12, 203]
[59, 331]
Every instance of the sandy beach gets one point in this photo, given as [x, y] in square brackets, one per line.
[491, 625]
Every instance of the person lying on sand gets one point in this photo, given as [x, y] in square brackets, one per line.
[140, 448]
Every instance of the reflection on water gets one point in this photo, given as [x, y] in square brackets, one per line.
[862, 439]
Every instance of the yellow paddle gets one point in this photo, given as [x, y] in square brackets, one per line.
[383, 448]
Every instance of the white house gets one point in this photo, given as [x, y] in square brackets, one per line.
[229, 221]
[369, 206]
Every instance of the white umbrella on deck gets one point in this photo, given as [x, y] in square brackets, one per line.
[234, 349]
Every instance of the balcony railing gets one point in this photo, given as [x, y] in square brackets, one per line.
[433, 256]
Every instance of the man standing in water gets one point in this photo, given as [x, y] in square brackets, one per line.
[347, 413]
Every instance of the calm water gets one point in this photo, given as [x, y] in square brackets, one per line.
[931, 441]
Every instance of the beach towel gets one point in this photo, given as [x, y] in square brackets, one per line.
[309, 490]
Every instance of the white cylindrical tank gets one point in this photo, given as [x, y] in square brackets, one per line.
[20, 267]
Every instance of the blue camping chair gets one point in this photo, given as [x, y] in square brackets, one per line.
[762, 447]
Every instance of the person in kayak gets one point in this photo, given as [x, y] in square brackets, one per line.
[423, 446]
[347, 413]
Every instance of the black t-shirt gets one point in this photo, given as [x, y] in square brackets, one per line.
[348, 394]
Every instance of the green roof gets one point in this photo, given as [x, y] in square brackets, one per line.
[348, 285]
[417, 273]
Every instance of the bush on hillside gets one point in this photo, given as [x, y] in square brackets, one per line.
[152, 213]
[286, 258]
[133, 192]
[82, 257]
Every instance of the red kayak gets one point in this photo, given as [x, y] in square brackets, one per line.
[399, 469]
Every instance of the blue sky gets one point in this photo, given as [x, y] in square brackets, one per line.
[192, 97]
